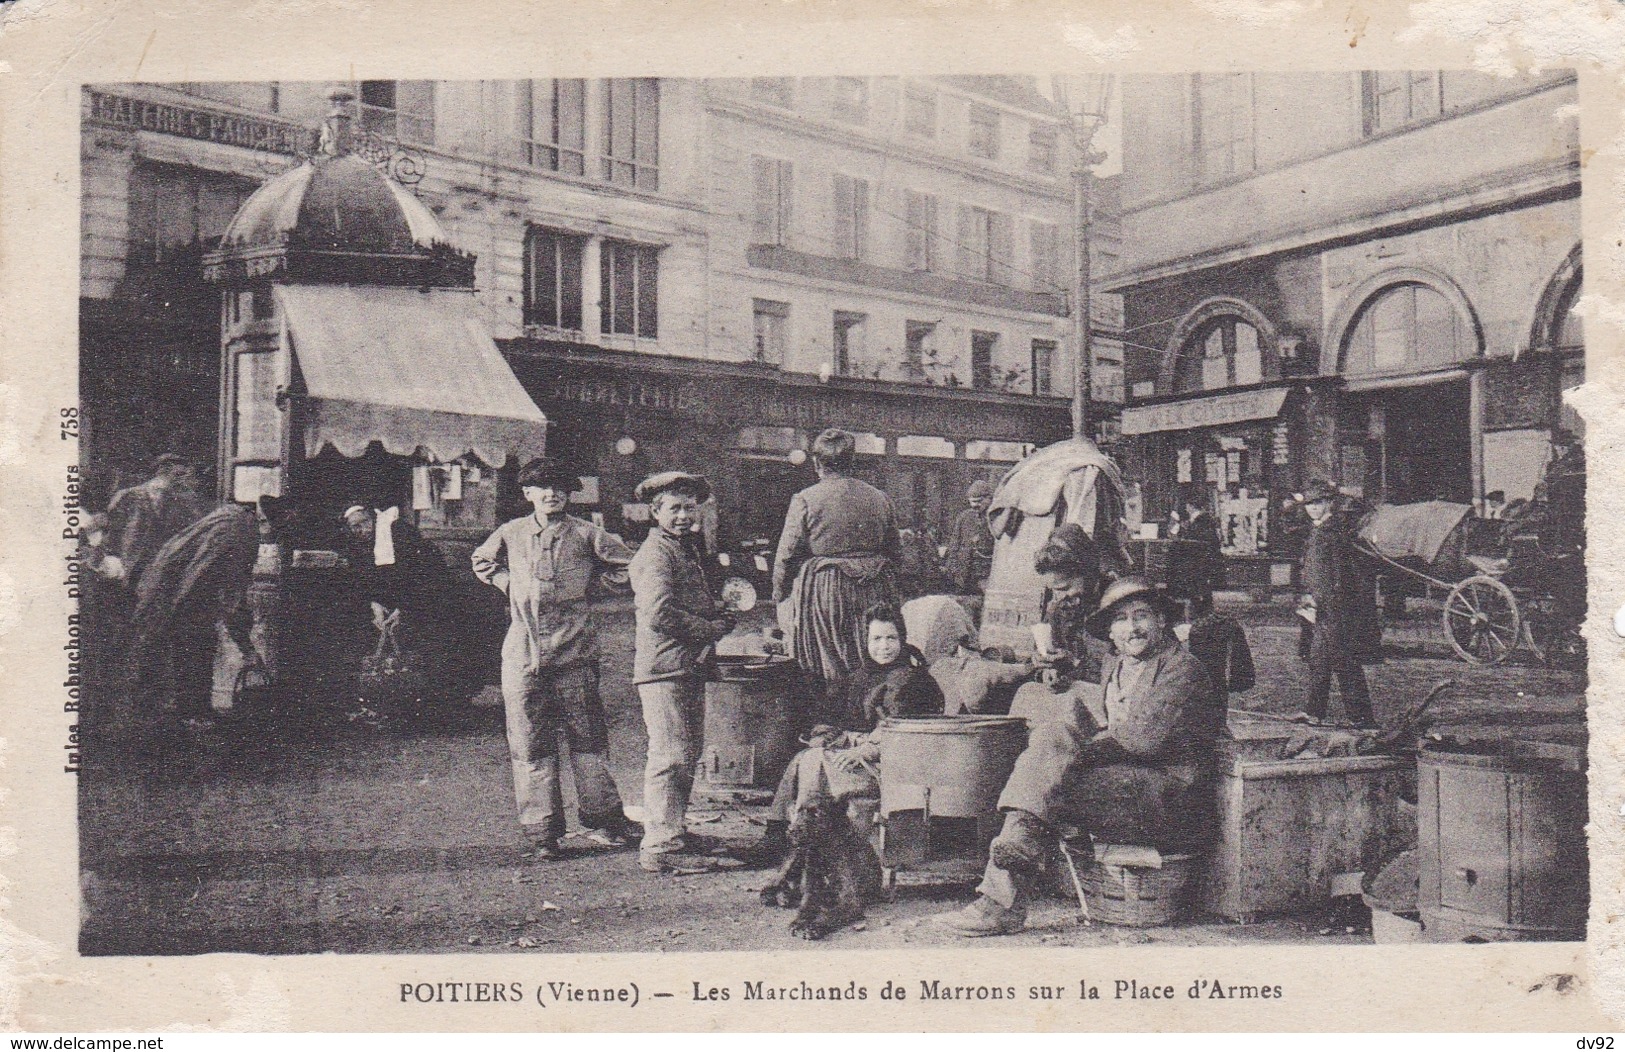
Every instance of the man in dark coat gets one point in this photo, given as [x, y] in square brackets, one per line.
[199, 578]
[1341, 625]
[970, 546]
[1200, 526]
[141, 518]
[1131, 762]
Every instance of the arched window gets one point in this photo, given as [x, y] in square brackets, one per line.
[1404, 328]
[1225, 352]
[1570, 334]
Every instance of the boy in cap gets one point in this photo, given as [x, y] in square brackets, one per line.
[678, 621]
[544, 562]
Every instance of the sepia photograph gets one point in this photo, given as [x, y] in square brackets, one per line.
[616, 514]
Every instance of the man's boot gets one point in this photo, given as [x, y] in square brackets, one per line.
[1022, 846]
[985, 917]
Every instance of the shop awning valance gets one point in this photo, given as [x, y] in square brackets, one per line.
[408, 369]
[1208, 411]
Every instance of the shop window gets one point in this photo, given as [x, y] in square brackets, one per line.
[922, 231]
[553, 278]
[1043, 370]
[982, 132]
[1041, 150]
[775, 91]
[1394, 98]
[1046, 248]
[629, 294]
[848, 340]
[402, 110]
[632, 132]
[1406, 327]
[849, 99]
[178, 213]
[983, 347]
[925, 446]
[850, 212]
[1222, 132]
[1224, 353]
[919, 339]
[920, 112]
[772, 323]
[773, 181]
[1006, 452]
[553, 124]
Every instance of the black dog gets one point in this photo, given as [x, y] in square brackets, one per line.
[831, 871]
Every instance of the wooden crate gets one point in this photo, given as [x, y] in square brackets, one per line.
[1288, 827]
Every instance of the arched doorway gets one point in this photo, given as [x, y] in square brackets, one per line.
[1408, 419]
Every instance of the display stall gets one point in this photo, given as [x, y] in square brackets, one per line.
[355, 373]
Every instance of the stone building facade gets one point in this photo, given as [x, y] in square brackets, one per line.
[1367, 278]
[681, 272]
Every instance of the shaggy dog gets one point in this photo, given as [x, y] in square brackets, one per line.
[831, 871]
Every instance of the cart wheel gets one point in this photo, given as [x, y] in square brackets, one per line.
[1481, 621]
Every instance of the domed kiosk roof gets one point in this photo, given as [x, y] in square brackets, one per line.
[337, 219]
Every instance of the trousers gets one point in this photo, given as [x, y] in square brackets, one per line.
[175, 666]
[674, 715]
[539, 706]
[1327, 659]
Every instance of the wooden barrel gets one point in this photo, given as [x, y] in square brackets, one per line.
[1502, 842]
[754, 716]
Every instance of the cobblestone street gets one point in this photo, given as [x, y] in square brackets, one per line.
[358, 841]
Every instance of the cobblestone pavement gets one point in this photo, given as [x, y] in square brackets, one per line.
[353, 841]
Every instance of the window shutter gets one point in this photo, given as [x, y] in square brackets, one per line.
[971, 262]
[1000, 249]
[765, 173]
[841, 205]
[787, 184]
[860, 218]
[918, 243]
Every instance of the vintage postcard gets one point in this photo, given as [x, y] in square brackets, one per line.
[1076, 516]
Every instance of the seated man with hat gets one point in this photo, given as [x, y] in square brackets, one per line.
[1130, 762]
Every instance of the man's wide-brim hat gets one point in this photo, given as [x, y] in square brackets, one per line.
[1121, 591]
[546, 472]
[655, 485]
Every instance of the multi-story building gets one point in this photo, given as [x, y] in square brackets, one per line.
[1362, 277]
[680, 272]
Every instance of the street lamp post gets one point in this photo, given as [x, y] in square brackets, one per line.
[1087, 106]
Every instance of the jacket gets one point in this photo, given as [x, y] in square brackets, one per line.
[677, 618]
[837, 516]
[1220, 644]
[545, 573]
[201, 574]
[902, 688]
[1170, 714]
[970, 549]
[1345, 603]
[140, 519]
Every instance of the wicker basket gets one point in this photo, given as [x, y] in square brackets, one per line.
[1138, 898]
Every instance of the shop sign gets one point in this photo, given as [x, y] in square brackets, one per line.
[249, 132]
[637, 394]
[1209, 411]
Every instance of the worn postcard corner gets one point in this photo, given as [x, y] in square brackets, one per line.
[1079, 516]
